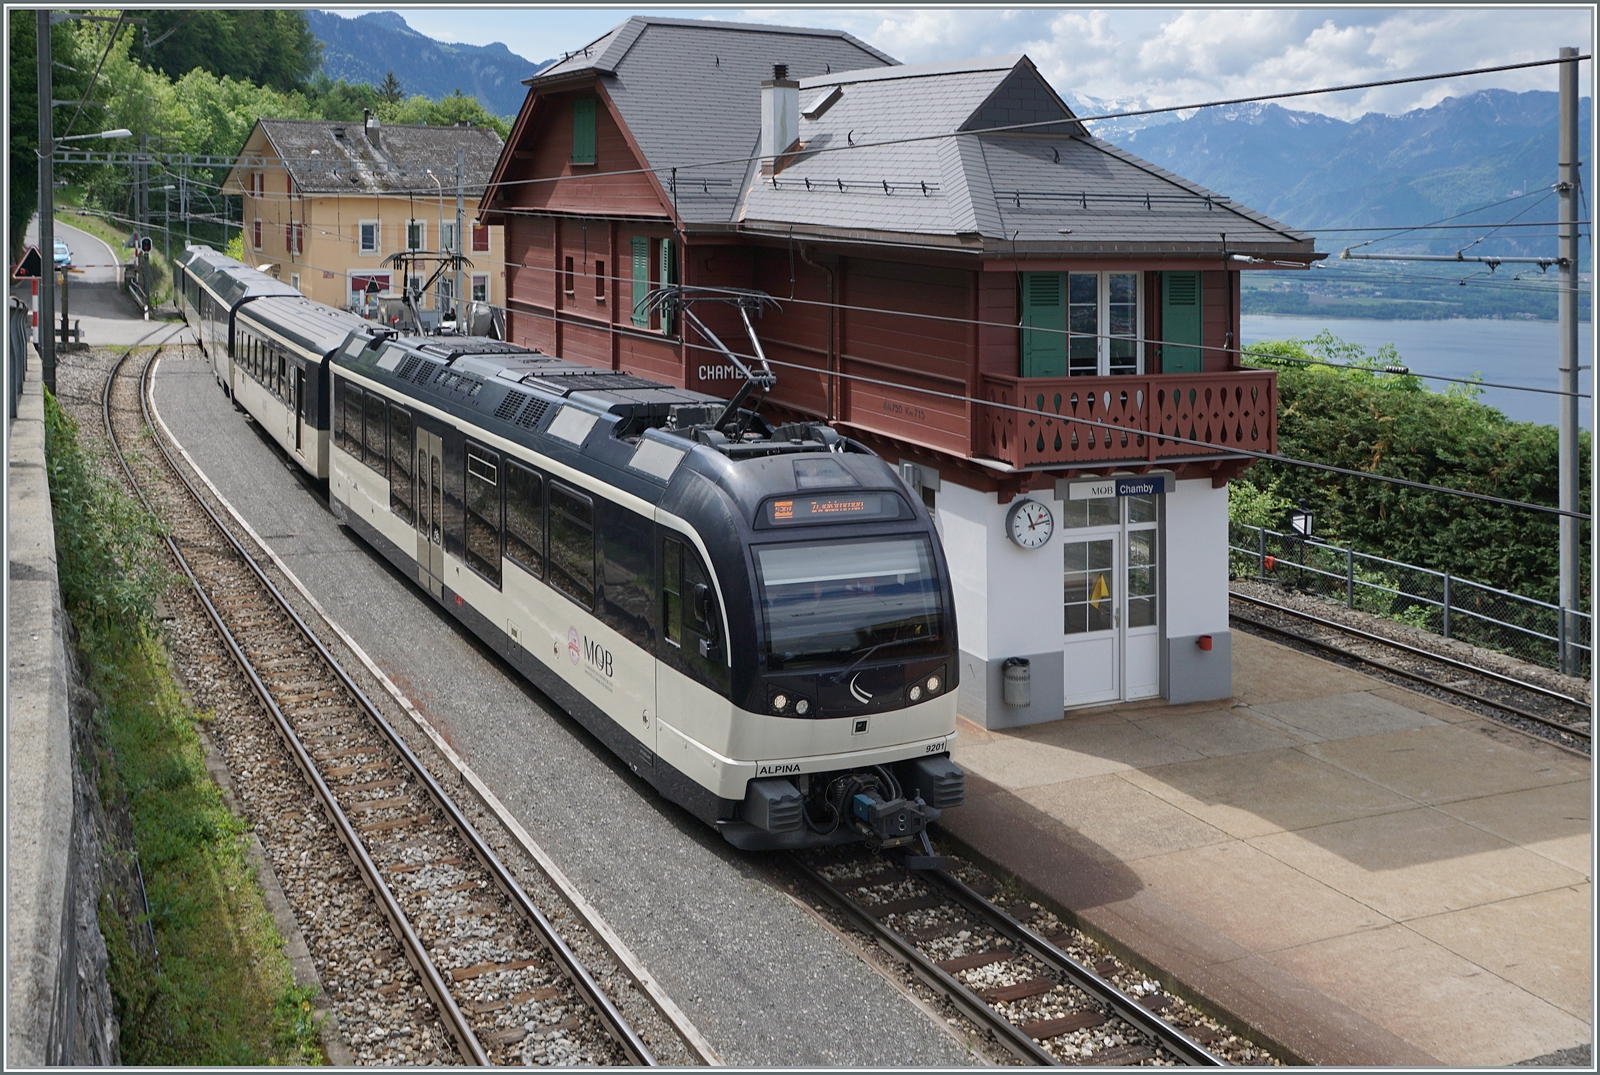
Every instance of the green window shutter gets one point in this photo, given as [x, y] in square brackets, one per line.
[1180, 323]
[1044, 324]
[583, 130]
[641, 281]
[668, 276]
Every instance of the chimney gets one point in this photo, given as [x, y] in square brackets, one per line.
[373, 127]
[780, 116]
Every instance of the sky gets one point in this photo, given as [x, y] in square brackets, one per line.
[1138, 56]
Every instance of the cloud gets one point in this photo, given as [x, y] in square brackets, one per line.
[1169, 57]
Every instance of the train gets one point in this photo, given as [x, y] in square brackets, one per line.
[757, 619]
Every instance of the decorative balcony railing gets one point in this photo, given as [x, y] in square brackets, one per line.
[1073, 421]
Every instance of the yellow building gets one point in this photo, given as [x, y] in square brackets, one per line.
[326, 203]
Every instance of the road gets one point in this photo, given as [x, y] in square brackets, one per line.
[107, 314]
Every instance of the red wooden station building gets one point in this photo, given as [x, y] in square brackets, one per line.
[1041, 328]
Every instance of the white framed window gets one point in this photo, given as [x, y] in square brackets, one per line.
[416, 235]
[414, 286]
[294, 237]
[1103, 319]
[368, 237]
[447, 236]
[294, 280]
[480, 287]
[447, 291]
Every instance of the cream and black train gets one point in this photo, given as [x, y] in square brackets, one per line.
[758, 621]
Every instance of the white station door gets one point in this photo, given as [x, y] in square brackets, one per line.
[1110, 637]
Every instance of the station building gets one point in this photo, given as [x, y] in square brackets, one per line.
[1038, 327]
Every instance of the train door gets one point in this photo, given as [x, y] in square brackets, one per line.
[692, 669]
[430, 511]
[300, 410]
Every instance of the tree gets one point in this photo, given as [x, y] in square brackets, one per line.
[70, 83]
[389, 88]
[267, 46]
[445, 112]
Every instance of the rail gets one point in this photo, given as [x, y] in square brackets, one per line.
[1035, 955]
[1437, 601]
[432, 977]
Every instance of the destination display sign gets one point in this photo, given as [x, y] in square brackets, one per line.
[848, 507]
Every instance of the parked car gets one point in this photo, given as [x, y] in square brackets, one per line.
[63, 255]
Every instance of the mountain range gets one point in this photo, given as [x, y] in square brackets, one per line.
[1461, 156]
[366, 48]
[1315, 172]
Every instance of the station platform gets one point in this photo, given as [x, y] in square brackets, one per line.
[1362, 875]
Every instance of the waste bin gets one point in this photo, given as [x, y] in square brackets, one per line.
[1017, 681]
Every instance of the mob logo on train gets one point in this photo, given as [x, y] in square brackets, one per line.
[590, 652]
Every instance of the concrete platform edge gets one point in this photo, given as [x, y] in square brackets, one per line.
[1262, 1001]
[39, 802]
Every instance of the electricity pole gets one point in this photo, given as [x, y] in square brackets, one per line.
[47, 210]
[1571, 463]
[460, 296]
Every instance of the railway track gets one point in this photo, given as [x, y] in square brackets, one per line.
[487, 958]
[1036, 1001]
[1550, 711]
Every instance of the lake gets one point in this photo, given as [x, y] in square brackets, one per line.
[1508, 352]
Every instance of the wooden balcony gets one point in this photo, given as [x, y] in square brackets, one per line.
[1094, 421]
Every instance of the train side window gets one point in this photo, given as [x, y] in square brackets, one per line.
[672, 590]
[377, 453]
[282, 373]
[572, 544]
[692, 619]
[627, 565]
[347, 418]
[400, 491]
[525, 519]
[483, 512]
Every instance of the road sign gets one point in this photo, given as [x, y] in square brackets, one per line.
[31, 267]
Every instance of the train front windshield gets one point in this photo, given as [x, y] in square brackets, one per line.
[827, 603]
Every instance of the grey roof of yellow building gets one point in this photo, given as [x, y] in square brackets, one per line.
[330, 157]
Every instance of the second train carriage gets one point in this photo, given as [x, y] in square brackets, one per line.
[761, 626]
[282, 346]
[212, 288]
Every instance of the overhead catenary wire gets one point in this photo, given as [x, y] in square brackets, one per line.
[1239, 352]
[1208, 446]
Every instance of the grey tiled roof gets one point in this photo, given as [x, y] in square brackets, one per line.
[690, 92]
[321, 159]
[1053, 186]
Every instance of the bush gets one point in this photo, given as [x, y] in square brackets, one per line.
[1367, 420]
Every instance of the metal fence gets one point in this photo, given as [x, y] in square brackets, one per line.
[1523, 627]
[19, 329]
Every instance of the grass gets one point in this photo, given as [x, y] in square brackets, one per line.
[220, 992]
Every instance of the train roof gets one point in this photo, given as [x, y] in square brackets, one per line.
[637, 426]
[312, 325]
[230, 279]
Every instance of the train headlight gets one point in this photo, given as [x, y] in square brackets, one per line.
[802, 707]
[933, 684]
[916, 693]
[780, 702]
